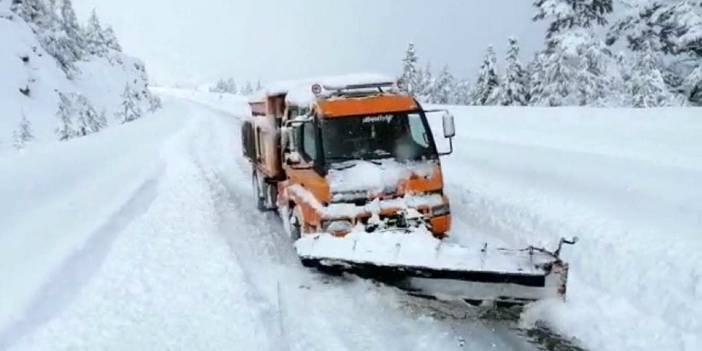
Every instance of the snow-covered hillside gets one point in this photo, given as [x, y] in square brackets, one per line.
[41, 57]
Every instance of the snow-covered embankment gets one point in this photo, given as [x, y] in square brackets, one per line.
[628, 183]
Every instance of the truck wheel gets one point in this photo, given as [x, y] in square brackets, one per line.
[295, 221]
[271, 191]
[257, 193]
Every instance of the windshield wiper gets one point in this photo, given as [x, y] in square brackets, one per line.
[341, 163]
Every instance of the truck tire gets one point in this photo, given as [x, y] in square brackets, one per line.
[259, 197]
[295, 221]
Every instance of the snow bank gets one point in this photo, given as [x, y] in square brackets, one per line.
[627, 182]
[58, 195]
[166, 281]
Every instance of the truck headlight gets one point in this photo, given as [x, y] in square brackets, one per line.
[441, 210]
[337, 227]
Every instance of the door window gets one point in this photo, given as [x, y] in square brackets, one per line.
[309, 141]
[419, 133]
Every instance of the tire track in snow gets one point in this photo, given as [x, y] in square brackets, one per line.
[264, 307]
[259, 246]
[268, 244]
[266, 240]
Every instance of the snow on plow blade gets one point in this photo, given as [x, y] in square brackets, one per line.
[432, 267]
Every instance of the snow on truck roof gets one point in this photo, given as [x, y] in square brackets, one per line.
[299, 92]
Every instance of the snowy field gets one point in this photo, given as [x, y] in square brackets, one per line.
[154, 243]
[626, 182]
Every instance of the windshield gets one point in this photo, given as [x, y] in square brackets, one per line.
[403, 136]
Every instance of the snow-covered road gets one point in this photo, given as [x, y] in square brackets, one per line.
[180, 259]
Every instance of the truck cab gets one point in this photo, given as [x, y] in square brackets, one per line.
[357, 158]
[355, 174]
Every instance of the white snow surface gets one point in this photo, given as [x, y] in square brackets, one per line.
[144, 237]
[626, 182]
[155, 244]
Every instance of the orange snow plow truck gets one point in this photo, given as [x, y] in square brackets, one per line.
[353, 170]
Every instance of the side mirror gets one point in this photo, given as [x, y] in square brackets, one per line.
[449, 125]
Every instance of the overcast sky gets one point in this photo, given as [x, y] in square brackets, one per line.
[198, 41]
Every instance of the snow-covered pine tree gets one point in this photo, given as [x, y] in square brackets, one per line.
[646, 85]
[692, 86]
[95, 43]
[131, 110]
[514, 89]
[88, 120]
[227, 86]
[462, 93]
[219, 87]
[420, 88]
[577, 66]
[69, 19]
[56, 33]
[155, 102]
[23, 134]
[487, 88]
[259, 87]
[102, 119]
[32, 11]
[408, 81]
[64, 130]
[247, 89]
[444, 86]
[673, 26]
[110, 39]
[72, 28]
[232, 87]
[426, 84]
[536, 73]
[52, 5]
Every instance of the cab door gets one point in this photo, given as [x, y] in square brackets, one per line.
[311, 190]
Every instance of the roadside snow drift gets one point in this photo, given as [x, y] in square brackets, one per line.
[58, 196]
[626, 182]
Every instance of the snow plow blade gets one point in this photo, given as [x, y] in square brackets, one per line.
[430, 267]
